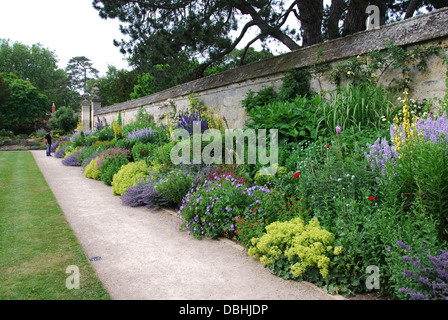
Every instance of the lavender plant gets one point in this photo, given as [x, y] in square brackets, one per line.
[428, 274]
[144, 194]
[73, 159]
[61, 152]
[144, 135]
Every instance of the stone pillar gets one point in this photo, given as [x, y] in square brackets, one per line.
[85, 111]
[96, 104]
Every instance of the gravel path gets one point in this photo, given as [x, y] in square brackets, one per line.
[143, 256]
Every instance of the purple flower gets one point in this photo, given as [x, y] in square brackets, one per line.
[144, 135]
[338, 130]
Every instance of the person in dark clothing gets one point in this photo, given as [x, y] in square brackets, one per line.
[48, 143]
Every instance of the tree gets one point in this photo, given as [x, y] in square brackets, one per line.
[236, 58]
[63, 120]
[38, 65]
[144, 87]
[24, 108]
[80, 70]
[161, 32]
[116, 86]
[194, 29]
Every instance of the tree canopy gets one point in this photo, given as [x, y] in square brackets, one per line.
[164, 32]
[38, 65]
[24, 107]
[80, 70]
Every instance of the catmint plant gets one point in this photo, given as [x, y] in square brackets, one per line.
[428, 274]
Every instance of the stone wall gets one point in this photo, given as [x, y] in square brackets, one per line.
[223, 93]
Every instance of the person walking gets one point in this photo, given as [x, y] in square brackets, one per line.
[48, 143]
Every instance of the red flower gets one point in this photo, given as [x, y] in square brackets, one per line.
[371, 198]
[296, 175]
[267, 155]
[143, 150]
[328, 146]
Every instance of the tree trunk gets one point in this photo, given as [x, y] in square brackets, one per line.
[336, 10]
[411, 8]
[311, 14]
[355, 21]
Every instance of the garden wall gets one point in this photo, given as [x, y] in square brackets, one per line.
[223, 93]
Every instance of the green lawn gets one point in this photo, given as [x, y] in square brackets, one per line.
[36, 242]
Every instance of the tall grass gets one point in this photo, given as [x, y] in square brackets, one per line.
[359, 106]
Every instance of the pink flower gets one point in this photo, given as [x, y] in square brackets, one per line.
[338, 130]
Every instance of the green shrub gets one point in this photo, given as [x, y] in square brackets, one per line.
[142, 151]
[298, 246]
[295, 120]
[262, 179]
[128, 175]
[63, 119]
[295, 83]
[259, 99]
[267, 208]
[174, 185]
[210, 209]
[105, 134]
[109, 167]
[92, 171]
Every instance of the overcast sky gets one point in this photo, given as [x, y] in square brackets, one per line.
[69, 28]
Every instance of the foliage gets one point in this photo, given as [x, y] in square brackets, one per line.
[165, 39]
[38, 65]
[115, 86]
[269, 207]
[295, 120]
[358, 106]
[223, 199]
[144, 194]
[142, 151]
[110, 161]
[144, 87]
[428, 274]
[175, 184]
[79, 70]
[304, 245]
[24, 105]
[260, 98]
[92, 171]
[368, 68]
[63, 119]
[105, 134]
[110, 167]
[295, 83]
[128, 175]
